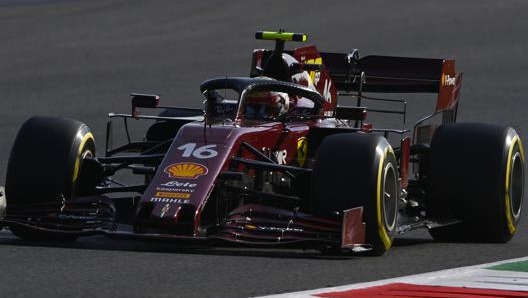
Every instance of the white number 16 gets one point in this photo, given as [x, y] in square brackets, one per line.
[202, 152]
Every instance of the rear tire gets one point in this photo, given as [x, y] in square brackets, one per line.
[476, 175]
[44, 166]
[353, 170]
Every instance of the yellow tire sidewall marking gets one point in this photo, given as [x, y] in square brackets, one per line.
[382, 232]
[507, 199]
[76, 169]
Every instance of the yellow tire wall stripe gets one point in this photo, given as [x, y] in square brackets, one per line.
[510, 222]
[85, 139]
[385, 238]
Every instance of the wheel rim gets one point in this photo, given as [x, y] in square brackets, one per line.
[517, 185]
[390, 197]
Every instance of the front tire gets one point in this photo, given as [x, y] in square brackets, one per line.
[476, 175]
[353, 170]
[45, 165]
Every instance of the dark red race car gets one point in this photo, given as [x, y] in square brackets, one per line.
[272, 160]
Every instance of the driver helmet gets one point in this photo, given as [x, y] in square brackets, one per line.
[266, 105]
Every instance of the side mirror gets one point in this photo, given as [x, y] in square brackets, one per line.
[143, 101]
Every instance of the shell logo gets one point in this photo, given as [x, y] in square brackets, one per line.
[187, 170]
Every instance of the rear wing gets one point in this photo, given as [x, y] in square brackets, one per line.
[395, 75]
[348, 73]
[384, 74]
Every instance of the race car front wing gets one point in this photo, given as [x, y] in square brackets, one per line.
[250, 225]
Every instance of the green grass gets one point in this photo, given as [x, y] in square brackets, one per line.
[515, 266]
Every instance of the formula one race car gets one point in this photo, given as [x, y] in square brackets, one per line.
[273, 161]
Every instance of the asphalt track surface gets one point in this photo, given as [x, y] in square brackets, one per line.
[81, 59]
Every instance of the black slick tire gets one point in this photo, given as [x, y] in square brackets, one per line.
[44, 166]
[353, 170]
[476, 175]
